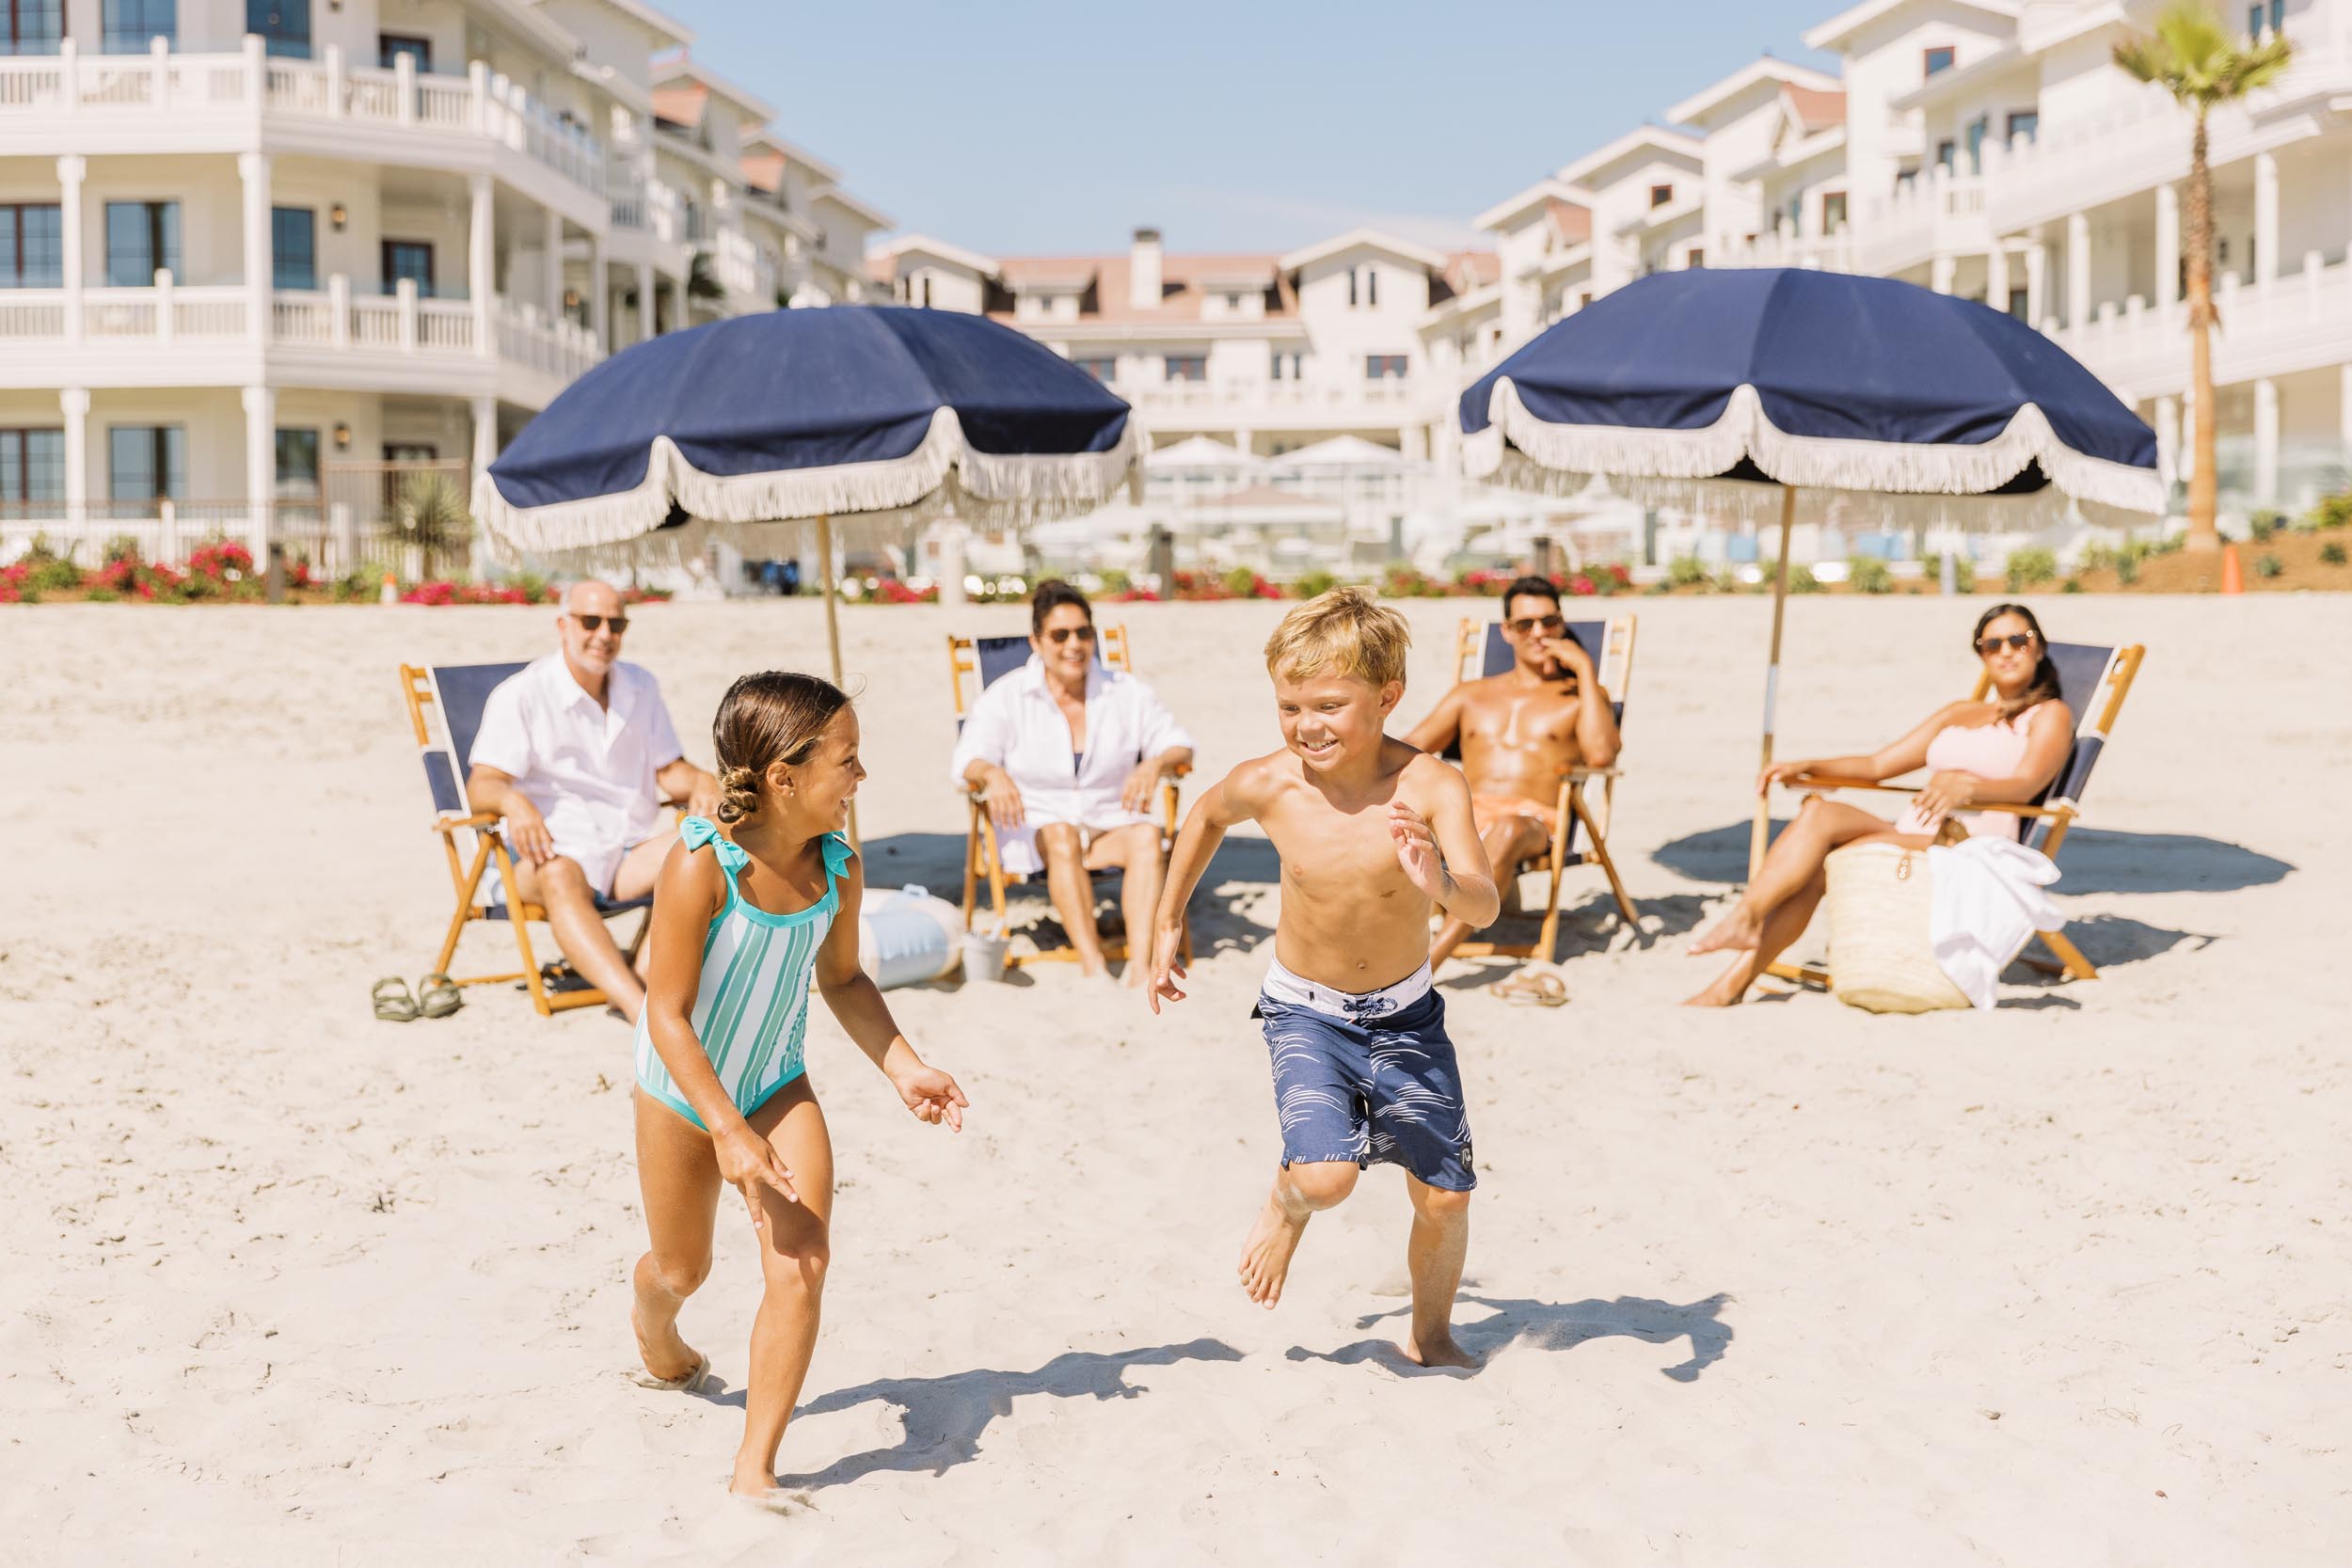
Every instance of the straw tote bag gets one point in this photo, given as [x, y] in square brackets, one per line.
[1880, 959]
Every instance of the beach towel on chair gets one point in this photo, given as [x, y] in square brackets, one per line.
[1988, 902]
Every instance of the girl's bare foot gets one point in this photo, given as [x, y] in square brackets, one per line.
[1737, 931]
[1265, 1256]
[669, 1359]
[1440, 1352]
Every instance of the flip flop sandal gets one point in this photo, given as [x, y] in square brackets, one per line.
[1533, 989]
[437, 996]
[393, 1004]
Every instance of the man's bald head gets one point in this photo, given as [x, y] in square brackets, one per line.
[591, 596]
[590, 628]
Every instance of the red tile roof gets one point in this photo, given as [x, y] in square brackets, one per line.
[1815, 109]
[1573, 223]
[681, 103]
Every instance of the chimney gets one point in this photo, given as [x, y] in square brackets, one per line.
[1143, 271]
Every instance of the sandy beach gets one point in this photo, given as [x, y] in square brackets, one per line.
[2068, 1283]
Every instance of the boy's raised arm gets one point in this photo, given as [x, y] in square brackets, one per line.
[1228, 802]
[1465, 887]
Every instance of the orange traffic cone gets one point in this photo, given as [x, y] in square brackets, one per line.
[2233, 581]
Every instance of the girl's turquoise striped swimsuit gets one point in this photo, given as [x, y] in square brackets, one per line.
[750, 1007]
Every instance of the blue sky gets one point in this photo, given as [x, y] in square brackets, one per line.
[1045, 126]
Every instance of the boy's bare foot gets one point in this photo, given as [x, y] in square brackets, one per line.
[760, 1489]
[1737, 931]
[1265, 1256]
[669, 1359]
[1439, 1351]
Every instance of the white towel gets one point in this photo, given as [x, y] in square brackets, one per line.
[1988, 902]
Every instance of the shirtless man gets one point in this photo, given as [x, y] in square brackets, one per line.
[1372, 834]
[1520, 733]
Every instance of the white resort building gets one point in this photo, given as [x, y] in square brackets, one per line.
[263, 263]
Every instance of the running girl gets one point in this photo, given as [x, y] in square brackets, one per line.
[744, 913]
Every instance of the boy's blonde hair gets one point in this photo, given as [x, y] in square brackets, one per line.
[1343, 631]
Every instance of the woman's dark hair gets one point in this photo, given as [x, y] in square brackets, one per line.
[2044, 687]
[776, 715]
[1050, 595]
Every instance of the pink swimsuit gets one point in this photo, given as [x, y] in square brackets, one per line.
[1994, 751]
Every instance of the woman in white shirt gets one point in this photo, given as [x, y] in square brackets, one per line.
[1068, 753]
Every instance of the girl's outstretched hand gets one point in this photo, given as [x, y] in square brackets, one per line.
[751, 1163]
[931, 1095]
[1167, 967]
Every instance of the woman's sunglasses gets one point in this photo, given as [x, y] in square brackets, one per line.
[590, 623]
[1063, 634]
[1988, 646]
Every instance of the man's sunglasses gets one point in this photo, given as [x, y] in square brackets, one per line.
[1063, 634]
[1553, 624]
[591, 622]
[1990, 645]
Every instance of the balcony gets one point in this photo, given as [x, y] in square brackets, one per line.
[1832, 254]
[164, 102]
[2300, 321]
[1939, 214]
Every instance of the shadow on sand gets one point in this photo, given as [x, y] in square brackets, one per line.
[2093, 860]
[1552, 1325]
[944, 1416]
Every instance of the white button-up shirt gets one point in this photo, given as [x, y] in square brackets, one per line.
[589, 768]
[1016, 724]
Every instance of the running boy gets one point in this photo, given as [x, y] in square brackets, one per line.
[1372, 834]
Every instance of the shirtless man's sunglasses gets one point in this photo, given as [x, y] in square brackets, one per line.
[1551, 625]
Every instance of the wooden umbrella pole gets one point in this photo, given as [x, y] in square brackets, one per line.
[832, 627]
[1772, 680]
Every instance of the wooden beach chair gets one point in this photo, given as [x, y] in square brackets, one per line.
[2092, 681]
[988, 660]
[458, 692]
[1609, 643]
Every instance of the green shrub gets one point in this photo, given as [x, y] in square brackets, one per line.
[1868, 573]
[1116, 582]
[122, 546]
[1802, 581]
[2269, 566]
[1313, 585]
[2331, 513]
[2331, 553]
[2031, 566]
[103, 596]
[2265, 523]
[2127, 569]
[1963, 572]
[1685, 570]
[1241, 582]
[2072, 585]
[1727, 581]
[52, 575]
[360, 586]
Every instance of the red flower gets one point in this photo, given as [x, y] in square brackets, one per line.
[1581, 585]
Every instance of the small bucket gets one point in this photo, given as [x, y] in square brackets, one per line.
[984, 954]
[908, 937]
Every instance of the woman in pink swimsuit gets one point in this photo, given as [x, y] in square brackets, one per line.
[2006, 748]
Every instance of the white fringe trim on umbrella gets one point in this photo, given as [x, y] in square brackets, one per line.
[941, 474]
[1923, 469]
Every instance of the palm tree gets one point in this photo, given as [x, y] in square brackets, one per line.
[2193, 56]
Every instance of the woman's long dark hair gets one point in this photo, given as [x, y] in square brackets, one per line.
[2044, 687]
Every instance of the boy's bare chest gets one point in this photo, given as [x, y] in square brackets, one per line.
[1330, 855]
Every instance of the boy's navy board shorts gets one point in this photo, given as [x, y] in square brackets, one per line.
[1367, 1076]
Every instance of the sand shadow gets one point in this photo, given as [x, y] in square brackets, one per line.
[943, 1417]
[2109, 940]
[1558, 1326]
[2092, 861]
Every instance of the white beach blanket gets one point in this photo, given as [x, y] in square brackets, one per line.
[1988, 902]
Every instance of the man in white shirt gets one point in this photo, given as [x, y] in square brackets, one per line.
[576, 752]
[1069, 753]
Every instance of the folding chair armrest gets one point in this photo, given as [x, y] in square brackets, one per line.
[1580, 773]
[1831, 780]
[2021, 808]
[479, 819]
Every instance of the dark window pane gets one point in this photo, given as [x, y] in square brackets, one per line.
[284, 25]
[297, 464]
[389, 47]
[32, 247]
[293, 248]
[409, 259]
[146, 463]
[141, 237]
[127, 27]
[31, 26]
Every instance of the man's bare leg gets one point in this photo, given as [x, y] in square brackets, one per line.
[1508, 840]
[640, 869]
[1434, 1254]
[1300, 1191]
[1074, 893]
[1137, 851]
[581, 932]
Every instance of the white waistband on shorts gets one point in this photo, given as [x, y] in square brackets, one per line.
[1355, 1005]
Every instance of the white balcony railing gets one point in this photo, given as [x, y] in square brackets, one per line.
[1833, 253]
[163, 86]
[2298, 321]
[1939, 213]
[1387, 391]
[646, 206]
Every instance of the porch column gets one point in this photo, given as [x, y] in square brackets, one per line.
[553, 229]
[486, 451]
[260, 462]
[1996, 276]
[2078, 271]
[1940, 274]
[645, 302]
[480, 261]
[2037, 283]
[599, 294]
[2266, 442]
[74, 400]
[2265, 217]
[2168, 247]
[71, 171]
[2168, 434]
[679, 319]
[253, 172]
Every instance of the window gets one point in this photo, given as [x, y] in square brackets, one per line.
[1944, 150]
[1581, 301]
[32, 467]
[1351, 286]
[32, 246]
[293, 248]
[1696, 258]
[2025, 123]
[2273, 16]
[1938, 58]
[411, 451]
[1103, 368]
[1372, 285]
[297, 465]
[128, 27]
[2017, 303]
[1288, 366]
[1977, 129]
[147, 462]
[1233, 302]
[389, 47]
[31, 26]
[1796, 215]
[284, 25]
[927, 290]
[1661, 194]
[1907, 177]
[142, 238]
[409, 259]
[1832, 212]
[1384, 367]
[1187, 367]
